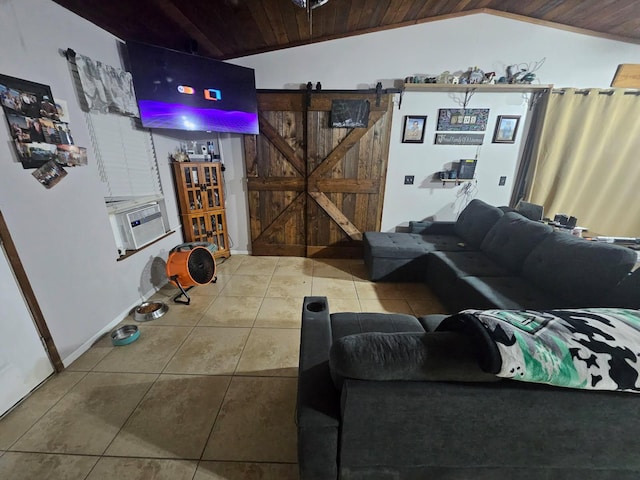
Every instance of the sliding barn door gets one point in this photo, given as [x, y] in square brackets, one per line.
[346, 172]
[276, 177]
[313, 189]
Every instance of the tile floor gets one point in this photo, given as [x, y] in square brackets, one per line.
[207, 392]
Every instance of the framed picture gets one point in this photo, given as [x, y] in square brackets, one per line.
[413, 131]
[463, 119]
[506, 129]
[349, 113]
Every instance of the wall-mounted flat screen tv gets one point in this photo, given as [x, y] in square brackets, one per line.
[188, 92]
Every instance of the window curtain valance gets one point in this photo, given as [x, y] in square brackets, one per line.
[105, 88]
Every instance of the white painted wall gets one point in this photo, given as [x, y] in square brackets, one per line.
[63, 235]
[487, 41]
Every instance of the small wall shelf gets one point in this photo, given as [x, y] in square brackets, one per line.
[476, 87]
[457, 181]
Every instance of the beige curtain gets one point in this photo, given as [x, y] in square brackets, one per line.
[587, 163]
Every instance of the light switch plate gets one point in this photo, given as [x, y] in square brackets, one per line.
[408, 179]
[502, 181]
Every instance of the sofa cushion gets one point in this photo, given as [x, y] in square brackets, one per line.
[445, 268]
[577, 270]
[508, 293]
[475, 221]
[431, 322]
[512, 239]
[627, 293]
[408, 245]
[464, 264]
[350, 323]
[405, 356]
[396, 245]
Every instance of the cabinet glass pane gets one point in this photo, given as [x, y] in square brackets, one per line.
[198, 226]
[210, 176]
[195, 199]
[191, 176]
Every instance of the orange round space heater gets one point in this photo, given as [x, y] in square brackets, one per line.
[189, 265]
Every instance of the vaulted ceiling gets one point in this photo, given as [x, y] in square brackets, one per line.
[225, 29]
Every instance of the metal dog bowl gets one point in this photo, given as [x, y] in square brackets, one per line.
[125, 335]
[149, 311]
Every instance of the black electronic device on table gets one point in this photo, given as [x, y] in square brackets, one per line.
[467, 169]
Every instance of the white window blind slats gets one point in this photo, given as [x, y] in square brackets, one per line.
[125, 155]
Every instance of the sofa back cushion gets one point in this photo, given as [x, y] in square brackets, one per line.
[627, 293]
[434, 356]
[512, 239]
[577, 270]
[476, 220]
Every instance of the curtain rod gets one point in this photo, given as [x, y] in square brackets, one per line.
[587, 91]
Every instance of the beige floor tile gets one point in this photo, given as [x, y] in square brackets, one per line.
[149, 354]
[294, 266]
[16, 423]
[286, 286]
[229, 265]
[344, 305]
[271, 352]
[256, 422]
[39, 466]
[386, 306]
[174, 418]
[181, 315]
[109, 468]
[209, 351]
[87, 418]
[426, 307]
[380, 291]
[328, 268]
[210, 289]
[246, 471]
[359, 272]
[333, 287]
[416, 291]
[89, 359]
[257, 266]
[246, 285]
[280, 312]
[166, 291]
[232, 312]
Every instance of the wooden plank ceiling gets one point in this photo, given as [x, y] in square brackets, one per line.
[225, 29]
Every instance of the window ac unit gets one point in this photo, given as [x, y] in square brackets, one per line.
[140, 226]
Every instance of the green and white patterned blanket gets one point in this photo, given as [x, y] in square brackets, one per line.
[590, 348]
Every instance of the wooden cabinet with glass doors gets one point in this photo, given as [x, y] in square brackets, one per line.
[200, 190]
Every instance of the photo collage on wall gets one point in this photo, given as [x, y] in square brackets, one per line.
[39, 129]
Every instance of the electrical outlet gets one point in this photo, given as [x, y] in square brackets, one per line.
[502, 181]
[408, 179]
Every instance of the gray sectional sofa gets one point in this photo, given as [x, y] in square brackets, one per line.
[371, 410]
[368, 408]
[492, 259]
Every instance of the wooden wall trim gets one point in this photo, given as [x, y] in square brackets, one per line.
[29, 295]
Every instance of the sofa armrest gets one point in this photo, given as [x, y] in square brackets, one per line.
[432, 228]
[318, 403]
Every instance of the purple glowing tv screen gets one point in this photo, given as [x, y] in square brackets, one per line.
[187, 92]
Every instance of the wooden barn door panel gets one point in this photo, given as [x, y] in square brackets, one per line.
[276, 177]
[347, 168]
[313, 189]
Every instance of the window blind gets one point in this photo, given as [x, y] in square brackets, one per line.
[125, 155]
